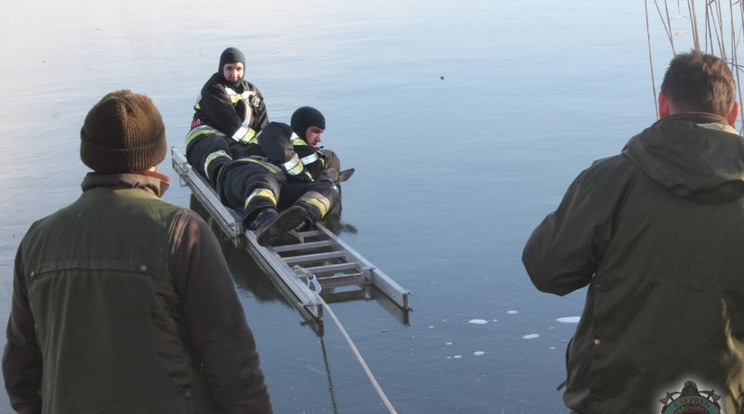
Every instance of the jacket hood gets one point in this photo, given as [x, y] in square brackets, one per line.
[696, 156]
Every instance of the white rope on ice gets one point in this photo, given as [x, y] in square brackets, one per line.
[314, 285]
[358, 355]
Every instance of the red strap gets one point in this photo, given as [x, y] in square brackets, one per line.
[196, 122]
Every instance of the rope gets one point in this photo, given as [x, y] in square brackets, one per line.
[359, 358]
[314, 285]
[328, 374]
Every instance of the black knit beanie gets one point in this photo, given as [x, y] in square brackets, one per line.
[123, 132]
[304, 118]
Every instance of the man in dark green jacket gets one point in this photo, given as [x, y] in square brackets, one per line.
[123, 303]
[657, 234]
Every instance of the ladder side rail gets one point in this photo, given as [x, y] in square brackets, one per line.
[307, 297]
[204, 192]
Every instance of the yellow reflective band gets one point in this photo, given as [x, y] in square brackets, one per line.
[310, 159]
[198, 99]
[293, 166]
[248, 96]
[316, 199]
[213, 156]
[234, 96]
[261, 192]
[199, 131]
[249, 137]
[240, 133]
[296, 140]
[254, 139]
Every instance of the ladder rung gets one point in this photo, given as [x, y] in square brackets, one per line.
[309, 258]
[310, 233]
[343, 280]
[347, 295]
[339, 267]
[302, 246]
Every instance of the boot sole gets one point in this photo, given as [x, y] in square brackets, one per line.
[290, 237]
[286, 221]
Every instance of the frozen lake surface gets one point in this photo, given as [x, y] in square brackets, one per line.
[465, 122]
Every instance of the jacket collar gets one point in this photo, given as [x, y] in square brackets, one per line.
[150, 181]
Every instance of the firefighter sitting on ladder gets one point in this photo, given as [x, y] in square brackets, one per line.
[254, 164]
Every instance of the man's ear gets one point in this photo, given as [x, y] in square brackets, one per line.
[733, 114]
[665, 107]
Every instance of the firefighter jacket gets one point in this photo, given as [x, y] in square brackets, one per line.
[657, 235]
[282, 147]
[239, 111]
[124, 303]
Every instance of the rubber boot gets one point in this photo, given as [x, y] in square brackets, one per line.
[311, 214]
[274, 229]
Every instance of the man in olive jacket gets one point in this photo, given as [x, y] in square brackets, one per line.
[123, 303]
[657, 233]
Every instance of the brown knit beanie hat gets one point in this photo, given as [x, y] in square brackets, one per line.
[123, 132]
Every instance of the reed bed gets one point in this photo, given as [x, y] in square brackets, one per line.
[712, 26]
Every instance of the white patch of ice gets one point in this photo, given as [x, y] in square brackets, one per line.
[478, 321]
[569, 319]
[512, 312]
[531, 336]
[478, 353]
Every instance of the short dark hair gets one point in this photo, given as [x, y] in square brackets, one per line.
[699, 82]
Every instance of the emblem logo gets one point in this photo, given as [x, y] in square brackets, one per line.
[691, 401]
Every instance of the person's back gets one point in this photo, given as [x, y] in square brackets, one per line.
[656, 233]
[123, 303]
[106, 312]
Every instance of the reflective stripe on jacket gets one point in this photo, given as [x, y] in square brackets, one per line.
[237, 111]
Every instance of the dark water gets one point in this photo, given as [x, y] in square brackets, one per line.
[465, 122]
